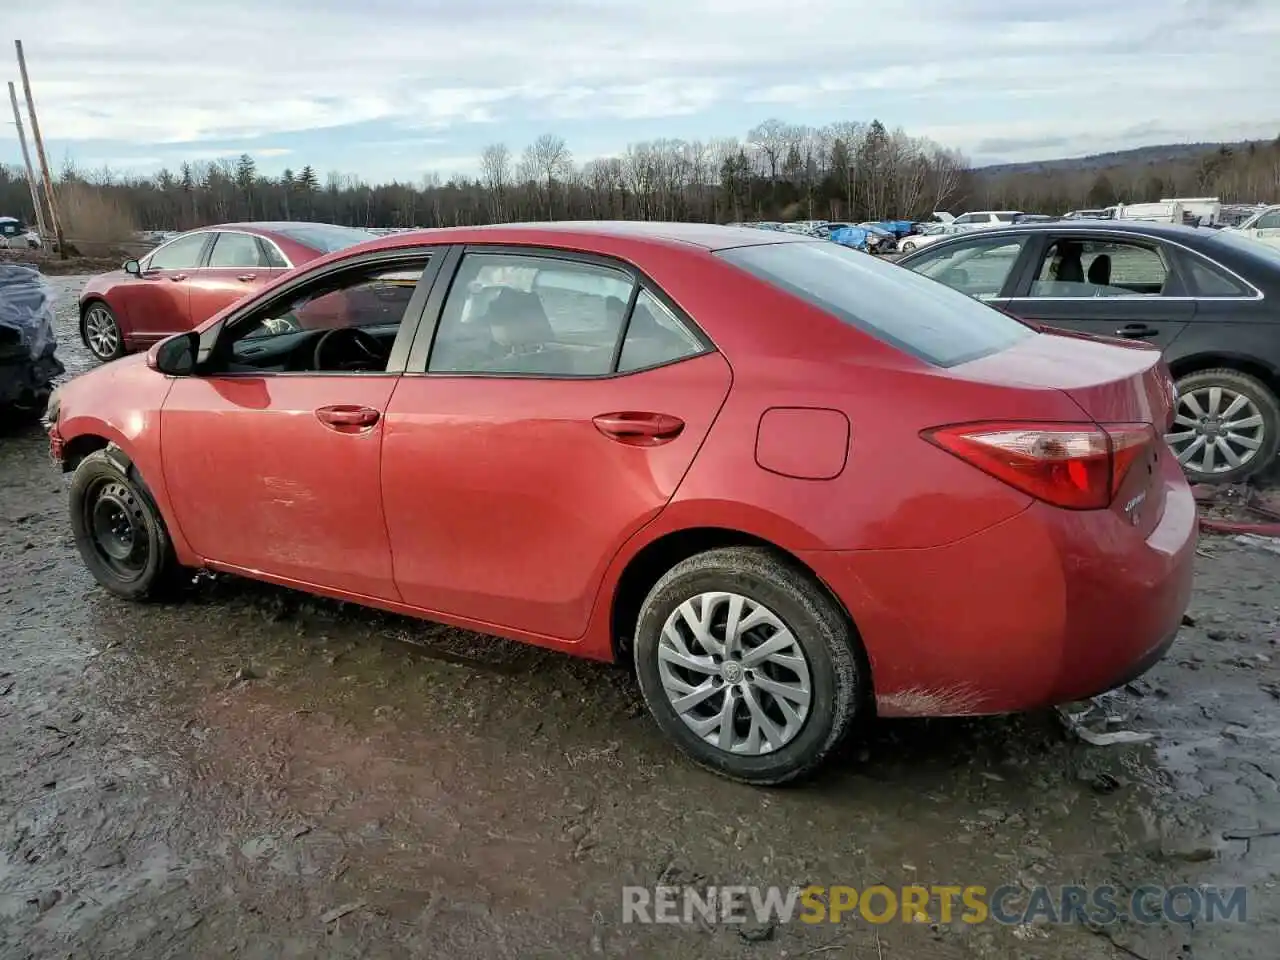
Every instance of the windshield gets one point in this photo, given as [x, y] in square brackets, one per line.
[920, 316]
[325, 238]
[1247, 244]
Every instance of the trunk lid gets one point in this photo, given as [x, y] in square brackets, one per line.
[1112, 382]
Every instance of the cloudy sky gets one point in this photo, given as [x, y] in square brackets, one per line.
[400, 88]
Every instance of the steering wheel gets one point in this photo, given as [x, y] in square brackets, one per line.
[365, 343]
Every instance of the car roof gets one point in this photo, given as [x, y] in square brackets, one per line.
[708, 236]
[1142, 228]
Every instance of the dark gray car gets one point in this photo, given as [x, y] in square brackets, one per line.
[1209, 299]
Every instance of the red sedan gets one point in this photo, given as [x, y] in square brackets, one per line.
[792, 484]
[184, 282]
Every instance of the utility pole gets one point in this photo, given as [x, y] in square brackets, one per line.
[26, 158]
[44, 161]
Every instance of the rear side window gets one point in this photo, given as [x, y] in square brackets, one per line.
[236, 250]
[1210, 281]
[920, 316]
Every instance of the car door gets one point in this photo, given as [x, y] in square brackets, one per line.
[562, 402]
[1104, 285]
[237, 265]
[157, 302]
[272, 452]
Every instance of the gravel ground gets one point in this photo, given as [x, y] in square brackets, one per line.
[255, 773]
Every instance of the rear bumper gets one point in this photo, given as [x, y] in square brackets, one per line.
[1046, 607]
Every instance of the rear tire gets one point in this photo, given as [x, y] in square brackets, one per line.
[1245, 420]
[790, 694]
[119, 531]
[908, 248]
[101, 332]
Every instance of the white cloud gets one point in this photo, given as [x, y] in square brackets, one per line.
[974, 73]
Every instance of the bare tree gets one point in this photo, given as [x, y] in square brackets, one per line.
[495, 167]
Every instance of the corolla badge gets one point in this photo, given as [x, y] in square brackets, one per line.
[1131, 508]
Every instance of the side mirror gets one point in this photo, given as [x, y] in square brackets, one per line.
[175, 356]
[132, 268]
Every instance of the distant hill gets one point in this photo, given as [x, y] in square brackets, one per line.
[1161, 153]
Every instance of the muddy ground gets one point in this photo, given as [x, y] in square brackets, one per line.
[253, 773]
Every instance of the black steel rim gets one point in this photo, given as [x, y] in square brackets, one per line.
[117, 526]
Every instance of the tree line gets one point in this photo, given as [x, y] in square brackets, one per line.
[845, 171]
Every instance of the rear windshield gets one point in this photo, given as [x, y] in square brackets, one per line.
[325, 239]
[922, 317]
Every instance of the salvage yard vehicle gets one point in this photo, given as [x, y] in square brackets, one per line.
[28, 346]
[191, 277]
[793, 485]
[1263, 225]
[1210, 299]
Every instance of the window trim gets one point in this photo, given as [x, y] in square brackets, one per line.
[434, 255]
[1043, 237]
[419, 355]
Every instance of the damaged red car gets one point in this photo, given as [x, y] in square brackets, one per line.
[187, 280]
[793, 485]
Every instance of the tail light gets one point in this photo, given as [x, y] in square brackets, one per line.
[1079, 466]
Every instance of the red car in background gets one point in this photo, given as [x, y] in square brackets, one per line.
[185, 281]
[792, 484]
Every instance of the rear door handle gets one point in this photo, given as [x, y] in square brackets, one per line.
[639, 429]
[346, 415]
[246, 277]
[1137, 331]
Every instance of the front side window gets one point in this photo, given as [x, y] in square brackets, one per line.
[517, 314]
[1006, 217]
[900, 307]
[181, 254]
[236, 250]
[341, 323]
[978, 268]
[1269, 221]
[1099, 268]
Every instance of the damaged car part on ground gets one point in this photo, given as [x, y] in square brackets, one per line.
[28, 347]
[598, 438]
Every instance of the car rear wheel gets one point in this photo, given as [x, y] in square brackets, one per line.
[1226, 427]
[749, 665]
[101, 332]
[118, 530]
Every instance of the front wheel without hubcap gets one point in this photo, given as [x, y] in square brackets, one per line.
[1226, 427]
[748, 665]
[118, 530]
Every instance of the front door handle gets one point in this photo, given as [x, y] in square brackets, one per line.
[639, 429]
[177, 277]
[345, 415]
[1137, 331]
[246, 277]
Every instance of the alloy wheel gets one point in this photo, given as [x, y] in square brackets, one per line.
[734, 673]
[1216, 429]
[101, 332]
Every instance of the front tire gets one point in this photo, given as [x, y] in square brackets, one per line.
[101, 332]
[749, 665]
[1226, 427]
[119, 531]
[908, 248]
